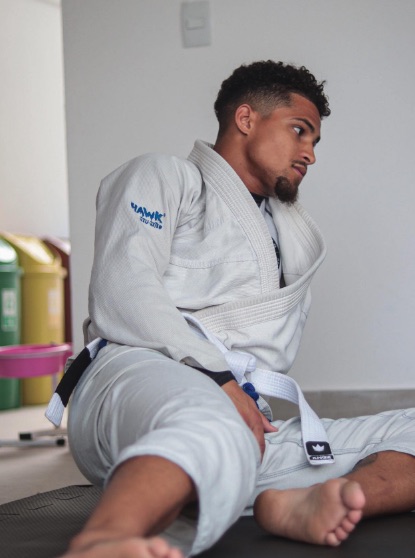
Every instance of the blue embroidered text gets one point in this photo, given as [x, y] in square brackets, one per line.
[152, 218]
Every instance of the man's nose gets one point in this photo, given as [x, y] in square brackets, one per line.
[309, 155]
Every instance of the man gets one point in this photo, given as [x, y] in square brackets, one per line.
[200, 265]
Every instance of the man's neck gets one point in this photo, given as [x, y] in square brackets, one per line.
[233, 156]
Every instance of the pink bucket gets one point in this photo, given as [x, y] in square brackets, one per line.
[28, 361]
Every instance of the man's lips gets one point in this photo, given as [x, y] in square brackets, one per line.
[301, 169]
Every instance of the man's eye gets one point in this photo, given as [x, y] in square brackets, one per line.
[299, 130]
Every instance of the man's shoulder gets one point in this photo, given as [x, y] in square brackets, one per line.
[162, 165]
[155, 170]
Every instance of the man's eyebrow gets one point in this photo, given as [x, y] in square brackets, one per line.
[309, 125]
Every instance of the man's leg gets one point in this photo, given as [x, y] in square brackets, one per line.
[388, 482]
[327, 513]
[367, 483]
[134, 406]
[126, 519]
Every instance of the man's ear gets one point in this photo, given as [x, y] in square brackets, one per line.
[244, 118]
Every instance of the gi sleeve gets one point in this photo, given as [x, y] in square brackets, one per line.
[139, 207]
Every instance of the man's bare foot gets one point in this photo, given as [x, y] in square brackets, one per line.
[131, 547]
[321, 514]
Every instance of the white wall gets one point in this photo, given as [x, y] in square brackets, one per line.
[131, 87]
[33, 175]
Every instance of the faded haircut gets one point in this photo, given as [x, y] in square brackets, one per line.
[265, 85]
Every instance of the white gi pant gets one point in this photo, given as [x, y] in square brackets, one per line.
[133, 402]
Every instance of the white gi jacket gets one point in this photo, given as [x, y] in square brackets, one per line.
[187, 235]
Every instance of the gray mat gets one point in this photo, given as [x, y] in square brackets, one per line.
[42, 525]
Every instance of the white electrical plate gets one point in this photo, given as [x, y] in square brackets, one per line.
[196, 27]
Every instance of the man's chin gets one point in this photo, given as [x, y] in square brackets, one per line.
[285, 191]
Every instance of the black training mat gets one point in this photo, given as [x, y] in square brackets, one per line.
[42, 525]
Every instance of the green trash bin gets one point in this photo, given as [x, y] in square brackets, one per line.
[9, 318]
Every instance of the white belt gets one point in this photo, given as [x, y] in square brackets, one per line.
[274, 384]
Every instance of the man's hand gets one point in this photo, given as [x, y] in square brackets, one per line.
[250, 413]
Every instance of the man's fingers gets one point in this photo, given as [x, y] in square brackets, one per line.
[258, 432]
[250, 413]
[268, 427]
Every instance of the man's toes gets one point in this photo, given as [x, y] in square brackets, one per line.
[331, 539]
[160, 549]
[341, 533]
[348, 525]
[158, 546]
[353, 496]
[354, 516]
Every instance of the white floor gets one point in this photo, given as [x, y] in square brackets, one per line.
[30, 470]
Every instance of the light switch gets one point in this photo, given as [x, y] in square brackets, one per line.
[196, 27]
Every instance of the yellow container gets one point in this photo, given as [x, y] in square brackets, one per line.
[42, 304]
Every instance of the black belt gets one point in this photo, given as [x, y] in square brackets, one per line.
[63, 392]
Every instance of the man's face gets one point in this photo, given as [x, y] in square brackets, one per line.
[280, 147]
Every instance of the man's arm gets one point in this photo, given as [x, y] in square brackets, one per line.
[128, 302]
[139, 207]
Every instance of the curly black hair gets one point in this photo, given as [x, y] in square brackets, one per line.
[265, 85]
